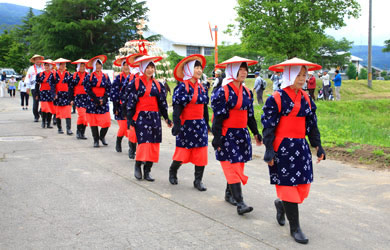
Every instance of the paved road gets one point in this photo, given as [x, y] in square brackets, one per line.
[57, 192]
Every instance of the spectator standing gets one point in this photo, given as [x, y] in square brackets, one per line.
[277, 81]
[337, 84]
[311, 85]
[12, 87]
[325, 84]
[2, 84]
[259, 87]
[24, 93]
[218, 80]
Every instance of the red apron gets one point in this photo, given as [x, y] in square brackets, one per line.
[79, 88]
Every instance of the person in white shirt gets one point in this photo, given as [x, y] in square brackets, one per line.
[325, 83]
[32, 72]
[24, 93]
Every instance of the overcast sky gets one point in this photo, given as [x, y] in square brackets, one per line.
[187, 20]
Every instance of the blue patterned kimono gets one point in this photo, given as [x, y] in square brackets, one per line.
[236, 143]
[118, 86]
[45, 95]
[148, 125]
[79, 99]
[89, 83]
[293, 159]
[193, 133]
[63, 97]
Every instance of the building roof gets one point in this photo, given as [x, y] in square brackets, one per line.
[355, 58]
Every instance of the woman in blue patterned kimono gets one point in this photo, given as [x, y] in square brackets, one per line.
[118, 86]
[289, 115]
[62, 99]
[190, 119]
[146, 103]
[98, 87]
[80, 97]
[44, 82]
[232, 105]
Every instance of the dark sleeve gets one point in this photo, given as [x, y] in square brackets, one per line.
[88, 90]
[206, 116]
[217, 131]
[177, 110]
[252, 124]
[268, 140]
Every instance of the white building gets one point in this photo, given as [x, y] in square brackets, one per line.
[183, 48]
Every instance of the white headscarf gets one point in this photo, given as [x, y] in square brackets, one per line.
[134, 70]
[143, 65]
[188, 70]
[290, 73]
[78, 67]
[231, 73]
[94, 64]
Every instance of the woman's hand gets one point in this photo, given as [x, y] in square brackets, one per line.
[271, 163]
[169, 123]
[71, 103]
[320, 154]
[259, 142]
[101, 102]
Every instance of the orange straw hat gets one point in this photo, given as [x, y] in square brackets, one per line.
[36, 56]
[102, 58]
[81, 60]
[179, 71]
[295, 62]
[131, 58]
[118, 62]
[236, 59]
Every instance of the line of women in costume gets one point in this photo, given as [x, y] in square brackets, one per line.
[139, 102]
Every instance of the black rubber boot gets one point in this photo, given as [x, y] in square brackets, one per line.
[137, 170]
[59, 126]
[82, 131]
[147, 168]
[173, 172]
[54, 119]
[132, 149]
[43, 115]
[228, 196]
[198, 178]
[48, 120]
[242, 208]
[78, 132]
[280, 212]
[102, 137]
[293, 218]
[69, 126]
[118, 146]
[95, 135]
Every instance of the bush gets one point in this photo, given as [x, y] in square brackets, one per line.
[351, 71]
[363, 73]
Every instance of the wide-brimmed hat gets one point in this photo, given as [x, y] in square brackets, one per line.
[131, 58]
[81, 60]
[61, 60]
[295, 62]
[118, 62]
[49, 61]
[178, 72]
[143, 58]
[102, 58]
[236, 59]
[36, 56]
[218, 72]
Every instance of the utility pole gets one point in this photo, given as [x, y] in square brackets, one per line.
[370, 46]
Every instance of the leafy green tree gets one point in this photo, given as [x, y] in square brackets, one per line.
[387, 46]
[383, 73]
[85, 28]
[173, 58]
[332, 53]
[290, 27]
[5, 43]
[363, 73]
[351, 71]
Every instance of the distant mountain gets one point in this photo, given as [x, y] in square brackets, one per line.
[13, 14]
[379, 58]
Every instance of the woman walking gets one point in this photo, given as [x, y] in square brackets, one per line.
[190, 119]
[146, 103]
[289, 115]
[24, 93]
[98, 86]
[233, 111]
[80, 97]
[45, 83]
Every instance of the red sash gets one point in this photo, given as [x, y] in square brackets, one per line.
[79, 89]
[98, 91]
[237, 118]
[290, 126]
[192, 111]
[146, 102]
[61, 86]
[45, 85]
